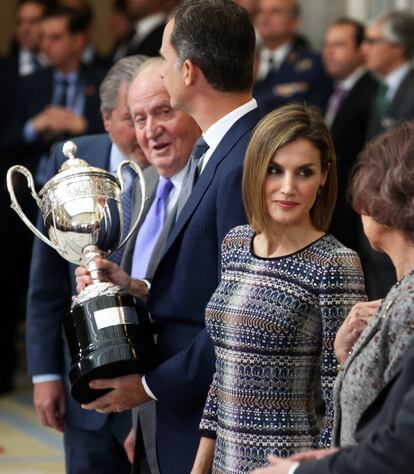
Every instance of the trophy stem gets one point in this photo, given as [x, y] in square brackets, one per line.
[90, 252]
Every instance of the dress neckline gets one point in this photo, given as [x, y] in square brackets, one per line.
[283, 256]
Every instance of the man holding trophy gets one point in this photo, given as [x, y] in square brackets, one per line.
[92, 440]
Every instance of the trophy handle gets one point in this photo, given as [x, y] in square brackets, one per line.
[138, 171]
[16, 206]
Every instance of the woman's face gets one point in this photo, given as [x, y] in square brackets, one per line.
[293, 179]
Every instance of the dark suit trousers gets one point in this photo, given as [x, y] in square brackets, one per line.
[100, 451]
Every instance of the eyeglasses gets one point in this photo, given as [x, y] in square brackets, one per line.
[372, 41]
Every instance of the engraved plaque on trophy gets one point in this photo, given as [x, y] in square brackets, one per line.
[108, 331]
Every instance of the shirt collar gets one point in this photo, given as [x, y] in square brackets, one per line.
[348, 83]
[279, 54]
[72, 77]
[116, 157]
[394, 78]
[144, 26]
[216, 132]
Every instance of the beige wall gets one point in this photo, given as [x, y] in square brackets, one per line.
[102, 31]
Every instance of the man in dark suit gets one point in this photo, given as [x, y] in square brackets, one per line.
[22, 61]
[59, 101]
[347, 115]
[149, 17]
[93, 442]
[288, 69]
[166, 139]
[213, 83]
[384, 436]
[388, 49]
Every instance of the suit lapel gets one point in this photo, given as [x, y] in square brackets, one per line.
[400, 98]
[229, 141]
[151, 181]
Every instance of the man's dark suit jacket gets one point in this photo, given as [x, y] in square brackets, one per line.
[36, 92]
[50, 289]
[400, 109]
[385, 432]
[349, 130]
[300, 78]
[378, 269]
[150, 45]
[184, 280]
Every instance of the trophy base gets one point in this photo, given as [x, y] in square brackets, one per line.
[81, 374]
[108, 336]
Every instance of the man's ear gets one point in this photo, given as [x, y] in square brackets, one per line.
[190, 72]
[106, 122]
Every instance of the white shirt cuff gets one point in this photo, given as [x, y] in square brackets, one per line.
[147, 389]
[293, 468]
[46, 378]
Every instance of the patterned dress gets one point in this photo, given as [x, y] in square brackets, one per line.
[273, 321]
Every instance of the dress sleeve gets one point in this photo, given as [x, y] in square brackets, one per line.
[342, 286]
[209, 419]
[208, 424]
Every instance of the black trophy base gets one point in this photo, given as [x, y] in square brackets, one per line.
[108, 336]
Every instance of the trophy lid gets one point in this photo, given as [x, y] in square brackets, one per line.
[73, 167]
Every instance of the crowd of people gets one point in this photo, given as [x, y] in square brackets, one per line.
[274, 251]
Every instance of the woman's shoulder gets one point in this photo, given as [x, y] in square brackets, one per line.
[239, 232]
[238, 237]
[335, 251]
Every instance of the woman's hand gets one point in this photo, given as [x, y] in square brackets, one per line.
[352, 327]
[205, 455]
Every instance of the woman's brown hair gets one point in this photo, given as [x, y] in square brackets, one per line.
[275, 130]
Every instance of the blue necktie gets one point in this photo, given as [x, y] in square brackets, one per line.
[63, 96]
[126, 202]
[151, 229]
[191, 172]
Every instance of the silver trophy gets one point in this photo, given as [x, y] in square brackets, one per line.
[108, 332]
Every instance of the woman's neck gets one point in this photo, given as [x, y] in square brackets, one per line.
[401, 252]
[284, 241]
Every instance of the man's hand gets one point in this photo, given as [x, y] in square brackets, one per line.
[127, 392]
[59, 119]
[50, 403]
[313, 455]
[115, 275]
[352, 327]
[282, 465]
[129, 445]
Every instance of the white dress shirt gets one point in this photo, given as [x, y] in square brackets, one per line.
[394, 80]
[213, 137]
[271, 59]
[218, 130]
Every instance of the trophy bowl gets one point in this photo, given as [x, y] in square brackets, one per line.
[108, 331]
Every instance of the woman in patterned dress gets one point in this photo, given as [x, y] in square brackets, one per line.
[286, 287]
[374, 390]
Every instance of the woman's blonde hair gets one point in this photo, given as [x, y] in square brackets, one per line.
[275, 130]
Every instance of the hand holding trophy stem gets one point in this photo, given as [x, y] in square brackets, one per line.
[107, 330]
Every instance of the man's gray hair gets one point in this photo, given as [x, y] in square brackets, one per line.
[122, 72]
[398, 29]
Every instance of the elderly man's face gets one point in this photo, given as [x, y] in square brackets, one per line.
[380, 56]
[165, 135]
[119, 126]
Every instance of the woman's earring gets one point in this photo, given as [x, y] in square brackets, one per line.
[319, 194]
